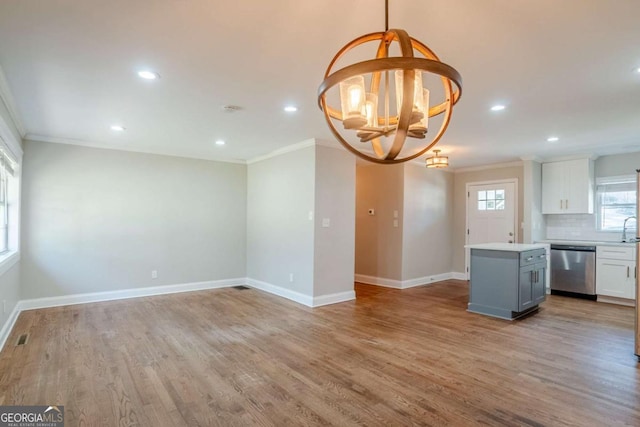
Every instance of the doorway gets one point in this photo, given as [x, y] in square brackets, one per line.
[491, 214]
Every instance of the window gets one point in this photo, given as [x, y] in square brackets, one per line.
[616, 201]
[8, 203]
[4, 210]
[491, 200]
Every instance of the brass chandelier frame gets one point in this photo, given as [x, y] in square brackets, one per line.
[399, 124]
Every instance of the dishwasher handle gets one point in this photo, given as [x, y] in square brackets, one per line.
[576, 248]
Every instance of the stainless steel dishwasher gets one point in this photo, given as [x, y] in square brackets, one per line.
[573, 270]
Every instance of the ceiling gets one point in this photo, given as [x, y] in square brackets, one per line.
[563, 68]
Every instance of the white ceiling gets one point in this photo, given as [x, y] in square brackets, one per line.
[563, 68]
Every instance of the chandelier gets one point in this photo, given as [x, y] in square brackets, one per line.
[365, 112]
[437, 161]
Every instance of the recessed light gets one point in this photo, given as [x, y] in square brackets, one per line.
[148, 75]
[117, 128]
[553, 139]
[498, 107]
[220, 142]
[638, 70]
[290, 109]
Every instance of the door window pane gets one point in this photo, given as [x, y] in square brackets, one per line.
[491, 200]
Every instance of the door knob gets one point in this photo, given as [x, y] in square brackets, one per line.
[510, 241]
[511, 233]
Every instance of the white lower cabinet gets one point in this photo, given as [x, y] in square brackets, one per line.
[616, 271]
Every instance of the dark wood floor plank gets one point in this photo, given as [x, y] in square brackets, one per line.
[410, 357]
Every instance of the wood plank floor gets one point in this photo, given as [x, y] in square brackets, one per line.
[238, 358]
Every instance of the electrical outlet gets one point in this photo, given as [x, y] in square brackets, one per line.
[291, 277]
[154, 274]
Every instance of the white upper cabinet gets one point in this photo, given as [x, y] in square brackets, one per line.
[567, 187]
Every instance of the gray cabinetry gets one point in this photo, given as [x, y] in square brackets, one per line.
[507, 284]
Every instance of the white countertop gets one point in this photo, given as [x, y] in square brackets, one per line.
[514, 247]
[586, 243]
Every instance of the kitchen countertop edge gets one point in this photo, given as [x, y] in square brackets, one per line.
[512, 247]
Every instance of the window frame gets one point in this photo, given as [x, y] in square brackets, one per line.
[614, 180]
[11, 150]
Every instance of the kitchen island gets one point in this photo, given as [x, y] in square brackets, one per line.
[508, 280]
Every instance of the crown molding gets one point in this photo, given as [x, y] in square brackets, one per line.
[7, 98]
[487, 167]
[280, 151]
[420, 162]
[589, 156]
[104, 146]
[532, 158]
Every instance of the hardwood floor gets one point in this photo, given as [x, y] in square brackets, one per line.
[242, 357]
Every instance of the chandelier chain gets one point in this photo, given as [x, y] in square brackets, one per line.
[386, 15]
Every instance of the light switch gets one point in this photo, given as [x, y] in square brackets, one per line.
[395, 222]
[395, 214]
[310, 215]
[326, 222]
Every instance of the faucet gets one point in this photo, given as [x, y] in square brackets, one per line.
[624, 228]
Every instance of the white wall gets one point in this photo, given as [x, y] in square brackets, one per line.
[280, 197]
[335, 198]
[101, 220]
[378, 242]
[534, 222]
[428, 222]
[9, 292]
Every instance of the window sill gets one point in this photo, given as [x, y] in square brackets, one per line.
[8, 260]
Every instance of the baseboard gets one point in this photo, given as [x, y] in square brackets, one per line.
[426, 280]
[333, 298]
[616, 300]
[459, 276]
[280, 291]
[378, 281]
[404, 284]
[32, 304]
[8, 326]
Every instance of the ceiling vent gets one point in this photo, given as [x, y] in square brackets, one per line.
[231, 108]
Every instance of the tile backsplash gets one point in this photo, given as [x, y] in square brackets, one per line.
[578, 227]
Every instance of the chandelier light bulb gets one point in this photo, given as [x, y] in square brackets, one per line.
[352, 96]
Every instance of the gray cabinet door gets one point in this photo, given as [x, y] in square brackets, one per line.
[525, 287]
[539, 283]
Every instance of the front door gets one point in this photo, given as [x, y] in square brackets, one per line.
[491, 214]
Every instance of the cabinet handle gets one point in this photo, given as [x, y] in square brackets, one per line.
[566, 204]
[542, 256]
[535, 276]
[530, 258]
[635, 272]
[627, 271]
[560, 204]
